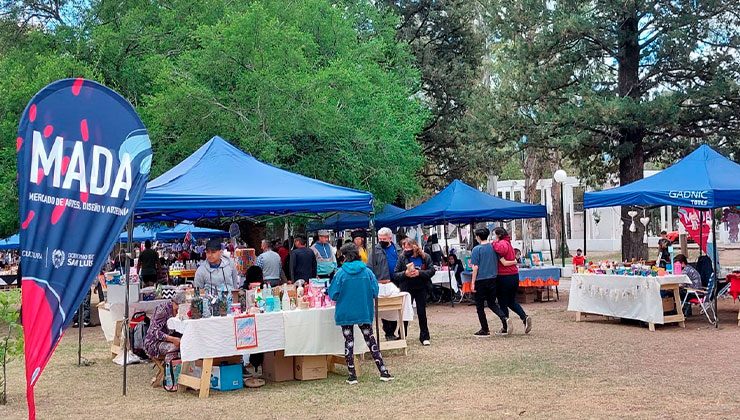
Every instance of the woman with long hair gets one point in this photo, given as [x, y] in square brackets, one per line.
[507, 280]
[413, 274]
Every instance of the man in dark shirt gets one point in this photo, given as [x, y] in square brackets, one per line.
[148, 265]
[302, 261]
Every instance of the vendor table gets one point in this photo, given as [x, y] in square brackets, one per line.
[442, 278]
[111, 319]
[310, 332]
[631, 297]
[545, 276]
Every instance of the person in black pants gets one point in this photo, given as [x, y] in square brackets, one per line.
[413, 274]
[507, 281]
[485, 268]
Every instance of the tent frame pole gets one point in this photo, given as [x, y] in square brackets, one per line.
[585, 227]
[549, 242]
[449, 274]
[715, 266]
[369, 246]
[129, 253]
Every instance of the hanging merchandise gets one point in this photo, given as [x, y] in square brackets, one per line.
[644, 220]
[632, 215]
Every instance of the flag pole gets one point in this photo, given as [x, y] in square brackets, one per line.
[124, 348]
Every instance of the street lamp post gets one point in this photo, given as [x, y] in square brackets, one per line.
[560, 177]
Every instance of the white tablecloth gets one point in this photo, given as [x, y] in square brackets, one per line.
[299, 333]
[632, 297]
[109, 313]
[442, 278]
[389, 290]
[313, 332]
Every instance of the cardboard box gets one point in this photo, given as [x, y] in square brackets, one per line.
[307, 368]
[227, 378]
[278, 368]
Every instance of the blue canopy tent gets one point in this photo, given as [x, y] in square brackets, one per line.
[702, 180]
[460, 203]
[178, 232]
[12, 242]
[219, 180]
[141, 234]
[344, 221]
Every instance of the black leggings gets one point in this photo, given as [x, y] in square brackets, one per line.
[349, 347]
[506, 287]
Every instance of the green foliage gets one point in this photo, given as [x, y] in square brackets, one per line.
[25, 71]
[11, 333]
[608, 82]
[318, 87]
[448, 48]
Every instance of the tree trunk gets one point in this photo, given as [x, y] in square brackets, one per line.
[632, 157]
[533, 170]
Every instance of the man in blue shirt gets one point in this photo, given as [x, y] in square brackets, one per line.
[485, 268]
[382, 261]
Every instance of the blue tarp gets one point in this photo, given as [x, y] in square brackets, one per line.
[219, 180]
[461, 203]
[704, 180]
[13, 242]
[142, 233]
[344, 221]
[178, 233]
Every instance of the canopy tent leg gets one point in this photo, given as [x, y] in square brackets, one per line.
[549, 242]
[714, 266]
[129, 252]
[585, 225]
[369, 246]
[701, 228]
[79, 336]
[449, 273]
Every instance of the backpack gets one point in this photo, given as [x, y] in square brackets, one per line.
[138, 327]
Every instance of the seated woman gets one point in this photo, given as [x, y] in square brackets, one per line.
[160, 343]
[457, 267]
[692, 274]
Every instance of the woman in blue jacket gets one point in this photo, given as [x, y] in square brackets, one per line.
[354, 289]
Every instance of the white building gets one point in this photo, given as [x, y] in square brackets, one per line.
[603, 225]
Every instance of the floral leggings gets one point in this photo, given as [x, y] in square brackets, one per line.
[349, 347]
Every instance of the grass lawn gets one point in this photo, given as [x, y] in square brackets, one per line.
[563, 369]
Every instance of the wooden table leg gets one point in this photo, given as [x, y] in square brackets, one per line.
[578, 317]
[679, 305]
[205, 378]
[651, 326]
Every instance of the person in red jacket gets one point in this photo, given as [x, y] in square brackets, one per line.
[579, 260]
[507, 280]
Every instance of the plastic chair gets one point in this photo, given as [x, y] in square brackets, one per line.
[703, 298]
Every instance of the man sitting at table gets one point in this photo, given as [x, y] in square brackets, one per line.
[159, 342]
[216, 272]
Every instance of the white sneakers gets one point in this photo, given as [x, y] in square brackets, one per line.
[426, 343]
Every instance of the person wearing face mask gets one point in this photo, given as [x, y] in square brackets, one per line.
[382, 261]
[413, 273]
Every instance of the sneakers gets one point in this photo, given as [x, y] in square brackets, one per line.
[352, 380]
[426, 343]
[527, 324]
[392, 338]
[482, 333]
[509, 326]
[386, 377]
[501, 332]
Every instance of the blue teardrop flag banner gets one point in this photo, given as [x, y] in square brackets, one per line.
[83, 162]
